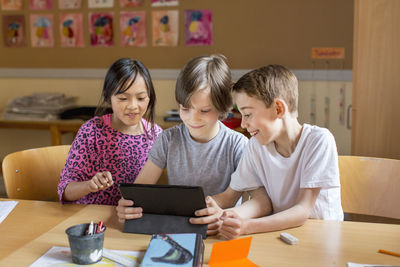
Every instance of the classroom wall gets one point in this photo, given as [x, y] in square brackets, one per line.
[88, 93]
[249, 33]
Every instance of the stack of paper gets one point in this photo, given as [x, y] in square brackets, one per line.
[40, 106]
[5, 208]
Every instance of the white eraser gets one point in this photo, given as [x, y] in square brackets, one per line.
[288, 238]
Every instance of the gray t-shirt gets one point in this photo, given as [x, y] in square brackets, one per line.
[188, 162]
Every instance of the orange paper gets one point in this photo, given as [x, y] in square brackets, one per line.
[231, 253]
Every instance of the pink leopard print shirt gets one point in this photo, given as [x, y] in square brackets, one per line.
[98, 147]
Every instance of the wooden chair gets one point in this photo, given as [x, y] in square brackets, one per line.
[370, 188]
[34, 173]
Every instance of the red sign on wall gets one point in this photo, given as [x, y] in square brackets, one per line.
[327, 52]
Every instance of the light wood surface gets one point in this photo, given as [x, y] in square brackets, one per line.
[370, 186]
[30, 219]
[321, 243]
[56, 128]
[34, 173]
[376, 67]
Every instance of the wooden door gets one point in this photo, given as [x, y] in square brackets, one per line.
[376, 79]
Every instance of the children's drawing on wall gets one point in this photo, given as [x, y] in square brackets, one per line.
[69, 4]
[40, 4]
[130, 3]
[133, 28]
[11, 4]
[71, 33]
[42, 30]
[164, 2]
[14, 30]
[100, 3]
[101, 29]
[165, 27]
[198, 27]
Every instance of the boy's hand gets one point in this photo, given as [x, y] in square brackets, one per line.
[101, 181]
[125, 211]
[210, 216]
[232, 225]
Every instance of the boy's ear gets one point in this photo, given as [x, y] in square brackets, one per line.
[280, 107]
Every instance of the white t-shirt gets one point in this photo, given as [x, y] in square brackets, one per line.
[314, 163]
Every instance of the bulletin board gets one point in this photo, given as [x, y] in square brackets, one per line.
[249, 33]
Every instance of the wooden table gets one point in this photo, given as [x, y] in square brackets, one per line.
[33, 227]
[56, 127]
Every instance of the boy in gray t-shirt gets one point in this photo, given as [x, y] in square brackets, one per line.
[201, 151]
[188, 162]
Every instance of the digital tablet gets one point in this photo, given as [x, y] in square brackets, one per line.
[176, 200]
[166, 208]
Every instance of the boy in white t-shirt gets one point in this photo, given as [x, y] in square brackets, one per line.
[291, 170]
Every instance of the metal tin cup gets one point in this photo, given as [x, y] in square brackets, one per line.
[85, 249]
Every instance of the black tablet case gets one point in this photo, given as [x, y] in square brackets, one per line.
[166, 208]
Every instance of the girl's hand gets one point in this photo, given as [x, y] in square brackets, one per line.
[232, 225]
[209, 216]
[101, 181]
[125, 211]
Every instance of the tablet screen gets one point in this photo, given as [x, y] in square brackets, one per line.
[165, 199]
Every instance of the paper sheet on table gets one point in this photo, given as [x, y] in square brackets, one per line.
[5, 208]
[61, 256]
[352, 264]
[232, 253]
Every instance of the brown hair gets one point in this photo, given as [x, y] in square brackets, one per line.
[206, 72]
[268, 83]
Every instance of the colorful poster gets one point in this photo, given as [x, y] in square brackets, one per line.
[71, 30]
[11, 4]
[101, 29]
[133, 28]
[14, 30]
[42, 30]
[69, 4]
[165, 27]
[198, 27]
[100, 3]
[130, 3]
[40, 4]
[164, 2]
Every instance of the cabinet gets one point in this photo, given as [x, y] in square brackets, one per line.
[376, 79]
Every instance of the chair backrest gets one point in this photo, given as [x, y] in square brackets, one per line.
[34, 173]
[370, 186]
